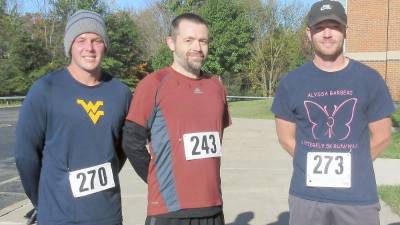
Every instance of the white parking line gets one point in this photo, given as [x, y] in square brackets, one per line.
[12, 193]
[10, 223]
[9, 180]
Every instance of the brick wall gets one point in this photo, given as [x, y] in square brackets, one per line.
[392, 77]
[373, 37]
[366, 21]
[378, 66]
[394, 25]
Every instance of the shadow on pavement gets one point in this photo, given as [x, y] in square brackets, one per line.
[246, 217]
[394, 224]
[283, 219]
[243, 219]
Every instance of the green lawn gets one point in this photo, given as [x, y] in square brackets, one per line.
[396, 118]
[2, 105]
[255, 109]
[391, 196]
[393, 150]
[10, 103]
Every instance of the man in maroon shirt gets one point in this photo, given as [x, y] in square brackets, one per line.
[181, 113]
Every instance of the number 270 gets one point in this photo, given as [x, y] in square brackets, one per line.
[92, 173]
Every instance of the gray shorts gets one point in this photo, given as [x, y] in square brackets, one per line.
[306, 212]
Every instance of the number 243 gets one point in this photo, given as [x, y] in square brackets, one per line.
[206, 140]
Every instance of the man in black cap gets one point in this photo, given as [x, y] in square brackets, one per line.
[68, 149]
[333, 117]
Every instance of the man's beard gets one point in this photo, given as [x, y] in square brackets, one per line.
[329, 57]
[193, 66]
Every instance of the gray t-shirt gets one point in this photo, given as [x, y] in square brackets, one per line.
[331, 111]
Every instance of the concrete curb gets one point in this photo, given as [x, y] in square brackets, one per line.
[14, 207]
[10, 107]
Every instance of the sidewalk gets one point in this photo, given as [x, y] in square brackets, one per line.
[255, 180]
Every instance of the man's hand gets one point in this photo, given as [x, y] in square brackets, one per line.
[286, 132]
[31, 216]
[381, 133]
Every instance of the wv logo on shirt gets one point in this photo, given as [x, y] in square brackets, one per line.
[91, 109]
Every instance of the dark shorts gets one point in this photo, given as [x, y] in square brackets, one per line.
[211, 220]
[306, 212]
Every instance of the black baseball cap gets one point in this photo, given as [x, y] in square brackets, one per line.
[326, 10]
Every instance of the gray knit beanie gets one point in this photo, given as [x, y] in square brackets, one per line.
[83, 21]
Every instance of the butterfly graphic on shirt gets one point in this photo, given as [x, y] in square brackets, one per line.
[335, 123]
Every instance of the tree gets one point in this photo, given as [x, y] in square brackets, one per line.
[252, 42]
[64, 8]
[162, 58]
[31, 45]
[3, 7]
[9, 24]
[23, 54]
[231, 35]
[177, 7]
[124, 55]
[27, 52]
[153, 24]
[11, 76]
[3, 25]
[277, 48]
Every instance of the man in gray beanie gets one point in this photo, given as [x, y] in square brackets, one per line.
[68, 149]
[84, 21]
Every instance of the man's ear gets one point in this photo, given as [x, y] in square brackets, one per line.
[308, 32]
[171, 43]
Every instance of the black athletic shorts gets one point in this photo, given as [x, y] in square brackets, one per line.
[217, 219]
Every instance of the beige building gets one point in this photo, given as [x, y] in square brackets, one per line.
[373, 38]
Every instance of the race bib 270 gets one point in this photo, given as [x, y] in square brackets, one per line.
[91, 180]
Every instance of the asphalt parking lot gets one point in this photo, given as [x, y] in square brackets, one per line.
[10, 186]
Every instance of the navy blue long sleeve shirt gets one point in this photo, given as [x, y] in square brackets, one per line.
[68, 149]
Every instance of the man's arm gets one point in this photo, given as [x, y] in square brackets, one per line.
[381, 132]
[134, 139]
[121, 157]
[286, 132]
[119, 150]
[30, 139]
